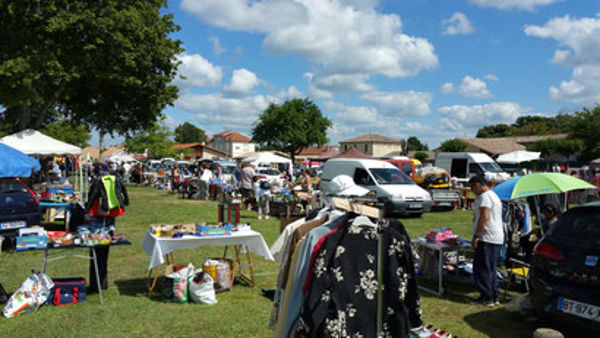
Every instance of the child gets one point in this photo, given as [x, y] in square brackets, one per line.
[262, 193]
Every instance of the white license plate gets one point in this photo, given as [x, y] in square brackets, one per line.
[579, 309]
[445, 204]
[415, 205]
[13, 225]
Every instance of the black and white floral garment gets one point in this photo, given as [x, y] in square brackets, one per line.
[342, 297]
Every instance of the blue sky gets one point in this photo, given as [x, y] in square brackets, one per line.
[435, 69]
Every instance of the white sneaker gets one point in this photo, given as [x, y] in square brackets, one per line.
[267, 217]
[259, 217]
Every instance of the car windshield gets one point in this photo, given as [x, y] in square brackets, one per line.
[271, 172]
[229, 169]
[492, 167]
[11, 186]
[583, 225]
[390, 176]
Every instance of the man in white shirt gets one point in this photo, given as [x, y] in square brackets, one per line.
[488, 238]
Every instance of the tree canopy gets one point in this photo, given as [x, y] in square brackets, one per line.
[157, 139]
[68, 131]
[421, 156]
[105, 64]
[495, 130]
[564, 147]
[414, 144]
[453, 146]
[189, 133]
[585, 125]
[291, 126]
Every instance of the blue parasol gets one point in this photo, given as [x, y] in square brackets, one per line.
[14, 163]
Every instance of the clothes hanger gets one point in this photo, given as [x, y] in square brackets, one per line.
[363, 221]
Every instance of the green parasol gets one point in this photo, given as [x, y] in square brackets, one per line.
[539, 184]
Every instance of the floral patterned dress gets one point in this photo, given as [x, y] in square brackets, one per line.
[342, 297]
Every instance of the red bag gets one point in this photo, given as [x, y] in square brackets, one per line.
[67, 291]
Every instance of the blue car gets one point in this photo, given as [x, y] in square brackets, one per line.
[19, 207]
[565, 269]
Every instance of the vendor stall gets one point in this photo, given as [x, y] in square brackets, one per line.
[14, 163]
[32, 142]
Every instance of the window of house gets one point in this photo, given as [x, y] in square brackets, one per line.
[366, 148]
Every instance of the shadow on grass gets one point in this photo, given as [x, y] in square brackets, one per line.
[138, 287]
[494, 323]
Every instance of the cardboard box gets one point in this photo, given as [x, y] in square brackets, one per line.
[31, 242]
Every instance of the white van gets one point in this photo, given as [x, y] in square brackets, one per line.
[382, 177]
[467, 165]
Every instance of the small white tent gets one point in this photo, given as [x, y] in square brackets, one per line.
[32, 142]
[519, 156]
[266, 157]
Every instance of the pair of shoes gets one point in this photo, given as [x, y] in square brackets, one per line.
[259, 217]
[483, 302]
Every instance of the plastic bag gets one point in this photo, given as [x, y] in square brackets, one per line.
[220, 271]
[201, 289]
[32, 294]
[180, 283]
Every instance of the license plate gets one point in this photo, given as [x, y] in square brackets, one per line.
[415, 205]
[13, 225]
[579, 309]
[445, 204]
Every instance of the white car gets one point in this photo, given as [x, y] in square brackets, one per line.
[384, 178]
[273, 176]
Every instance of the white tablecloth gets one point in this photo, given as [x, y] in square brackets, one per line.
[157, 247]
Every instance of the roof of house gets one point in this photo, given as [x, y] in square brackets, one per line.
[351, 153]
[232, 136]
[199, 145]
[495, 145]
[375, 138]
[316, 150]
[535, 138]
[95, 153]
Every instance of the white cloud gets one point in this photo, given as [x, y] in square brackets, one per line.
[198, 71]
[227, 112]
[341, 38]
[581, 41]
[402, 104]
[290, 93]
[342, 83]
[217, 47]
[463, 118]
[518, 4]
[491, 77]
[447, 88]
[242, 83]
[457, 24]
[469, 87]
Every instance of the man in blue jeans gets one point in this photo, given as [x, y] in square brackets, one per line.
[488, 237]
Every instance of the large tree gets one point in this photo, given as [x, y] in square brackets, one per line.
[189, 133]
[585, 125]
[414, 144]
[453, 146]
[291, 126]
[157, 140]
[106, 64]
[68, 131]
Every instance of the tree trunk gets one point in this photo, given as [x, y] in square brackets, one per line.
[100, 145]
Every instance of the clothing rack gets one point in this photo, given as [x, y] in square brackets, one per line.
[373, 208]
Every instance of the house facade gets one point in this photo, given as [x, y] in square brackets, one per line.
[232, 142]
[197, 150]
[373, 144]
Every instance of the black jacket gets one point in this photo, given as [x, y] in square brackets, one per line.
[97, 191]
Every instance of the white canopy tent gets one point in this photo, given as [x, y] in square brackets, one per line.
[519, 156]
[122, 156]
[266, 157]
[32, 142]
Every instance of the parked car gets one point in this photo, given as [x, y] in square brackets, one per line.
[466, 165]
[405, 165]
[272, 175]
[565, 268]
[382, 177]
[19, 207]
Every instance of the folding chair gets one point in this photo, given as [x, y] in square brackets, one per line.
[518, 269]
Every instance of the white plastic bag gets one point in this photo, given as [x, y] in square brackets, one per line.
[201, 288]
[180, 283]
[32, 294]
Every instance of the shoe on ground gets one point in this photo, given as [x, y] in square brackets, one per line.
[496, 301]
[267, 217]
[259, 217]
[483, 302]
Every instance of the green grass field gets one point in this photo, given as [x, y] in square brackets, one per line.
[243, 312]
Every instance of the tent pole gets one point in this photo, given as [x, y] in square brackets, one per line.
[537, 209]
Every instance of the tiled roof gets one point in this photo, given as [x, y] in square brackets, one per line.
[95, 153]
[200, 145]
[375, 138]
[495, 145]
[316, 150]
[232, 136]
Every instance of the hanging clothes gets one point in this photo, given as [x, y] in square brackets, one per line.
[341, 297]
[110, 191]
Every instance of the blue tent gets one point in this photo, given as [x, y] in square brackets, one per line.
[14, 163]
